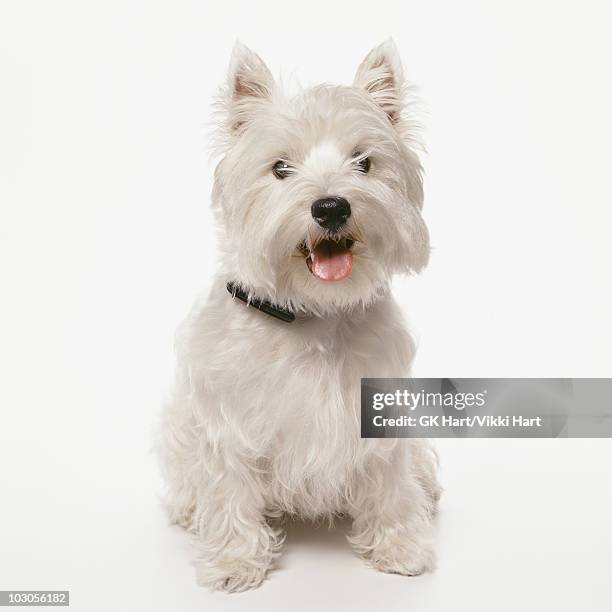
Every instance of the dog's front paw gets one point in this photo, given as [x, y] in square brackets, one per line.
[231, 576]
[401, 557]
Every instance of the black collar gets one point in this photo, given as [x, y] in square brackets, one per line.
[270, 309]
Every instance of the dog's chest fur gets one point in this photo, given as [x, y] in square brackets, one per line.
[292, 390]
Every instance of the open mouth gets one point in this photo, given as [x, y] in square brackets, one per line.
[329, 260]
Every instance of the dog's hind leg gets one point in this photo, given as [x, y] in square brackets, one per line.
[424, 460]
[179, 459]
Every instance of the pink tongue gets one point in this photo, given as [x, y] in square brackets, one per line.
[330, 263]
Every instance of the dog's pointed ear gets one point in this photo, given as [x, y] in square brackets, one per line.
[381, 75]
[249, 81]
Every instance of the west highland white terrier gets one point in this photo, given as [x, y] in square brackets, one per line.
[319, 199]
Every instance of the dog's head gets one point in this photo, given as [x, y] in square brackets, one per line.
[319, 196]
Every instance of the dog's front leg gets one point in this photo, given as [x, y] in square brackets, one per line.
[235, 546]
[391, 512]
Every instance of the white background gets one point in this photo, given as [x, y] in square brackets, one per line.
[106, 237]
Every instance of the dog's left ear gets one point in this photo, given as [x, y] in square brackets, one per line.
[381, 75]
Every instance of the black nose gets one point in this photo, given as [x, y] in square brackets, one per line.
[331, 213]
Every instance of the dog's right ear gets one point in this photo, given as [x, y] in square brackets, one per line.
[249, 84]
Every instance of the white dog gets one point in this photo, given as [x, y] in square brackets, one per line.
[318, 198]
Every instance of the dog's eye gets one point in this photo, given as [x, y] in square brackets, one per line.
[362, 163]
[281, 169]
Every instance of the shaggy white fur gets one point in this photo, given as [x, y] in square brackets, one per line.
[264, 417]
